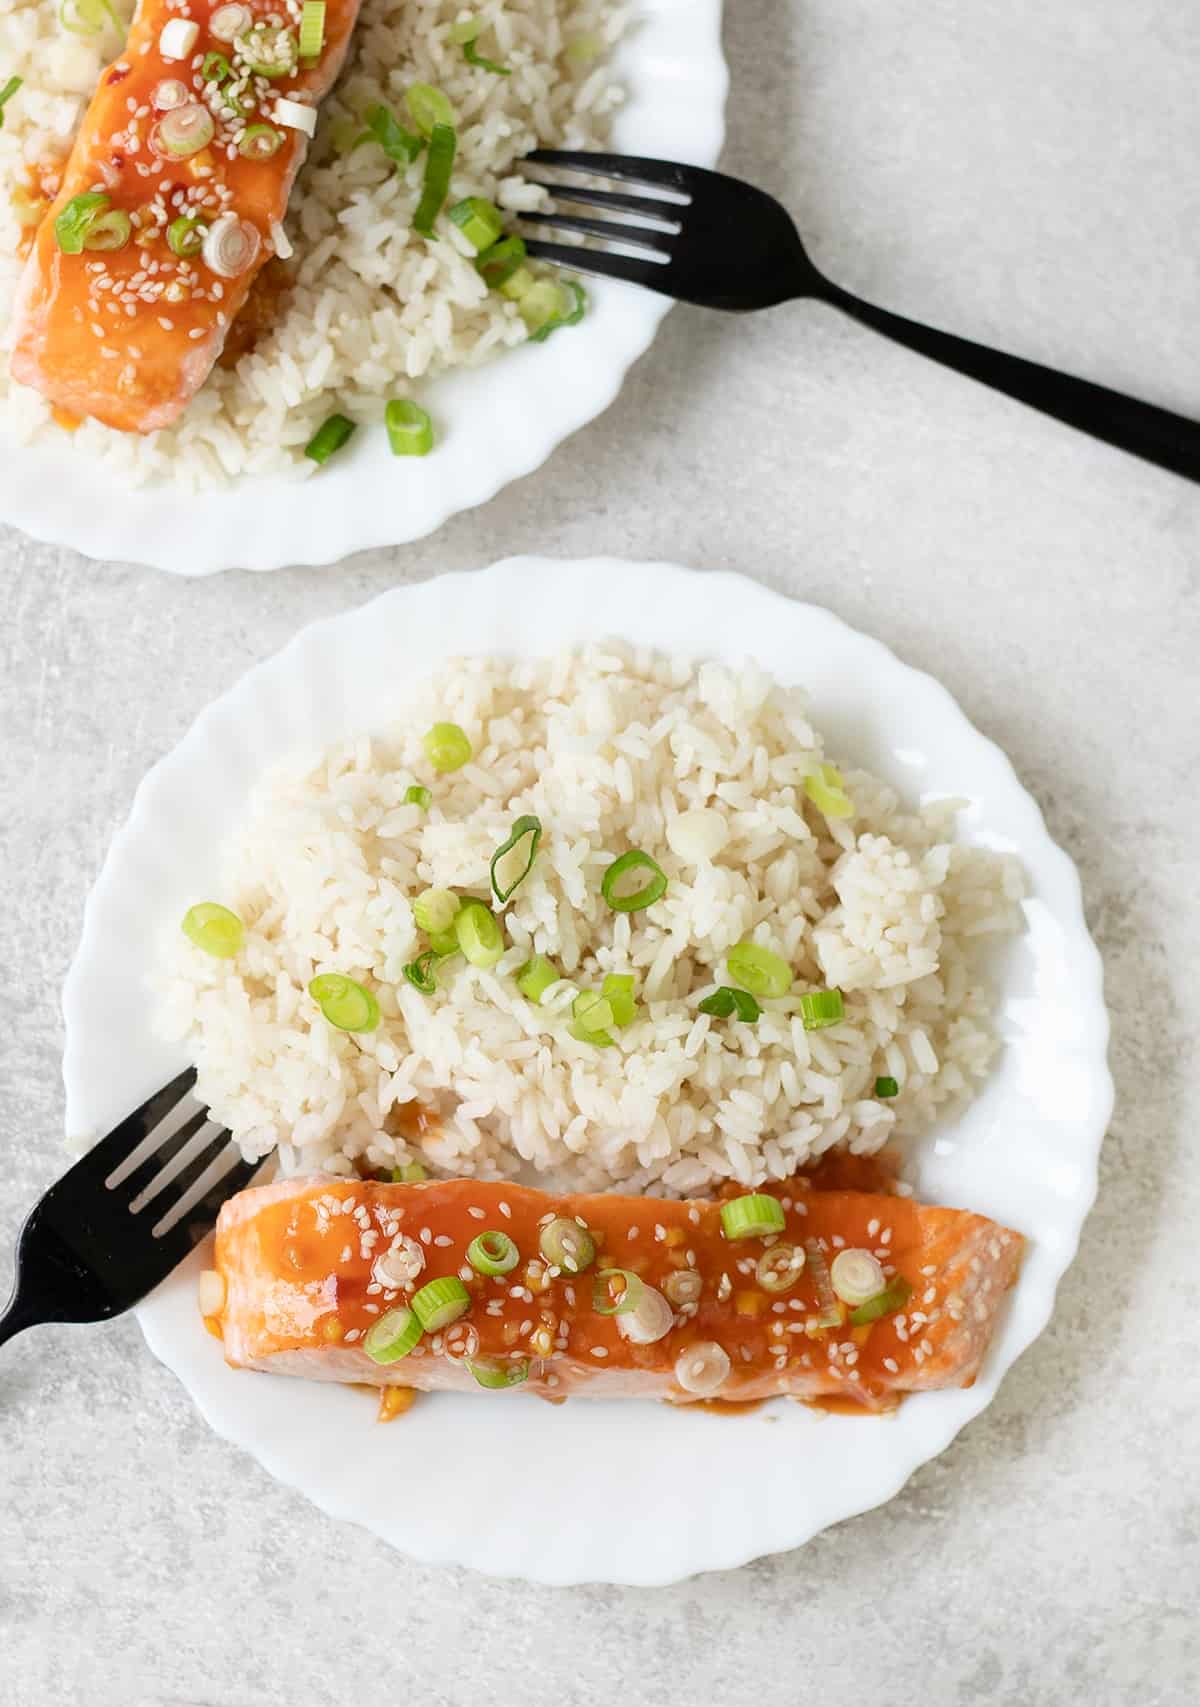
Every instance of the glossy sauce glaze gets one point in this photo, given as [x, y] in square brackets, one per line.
[303, 1277]
[128, 335]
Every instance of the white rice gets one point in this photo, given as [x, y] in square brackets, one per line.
[375, 308]
[608, 749]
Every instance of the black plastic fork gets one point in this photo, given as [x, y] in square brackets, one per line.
[108, 1231]
[721, 243]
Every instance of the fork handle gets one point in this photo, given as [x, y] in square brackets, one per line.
[14, 1318]
[1171, 441]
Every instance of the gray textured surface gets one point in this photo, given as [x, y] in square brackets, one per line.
[1018, 171]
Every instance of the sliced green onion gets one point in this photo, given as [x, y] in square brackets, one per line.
[479, 221]
[214, 929]
[496, 1372]
[617, 991]
[830, 1313]
[582, 50]
[885, 1304]
[478, 934]
[591, 1012]
[86, 17]
[827, 792]
[599, 1039]
[417, 795]
[634, 860]
[260, 141]
[444, 943]
[725, 1000]
[428, 108]
[759, 970]
[886, 1086]
[6, 94]
[819, 1008]
[75, 220]
[268, 50]
[465, 30]
[184, 131]
[752, 1217]
[567, 1245]
[616, 1292]
[345, 1004]
[446, 747]
[422, 972]
[543, 315]
[411, 1173]
[473, 57]
[440, 1302]
[518, 284]
[409, 429]
[498, 264]
[400, 145]
[780, 1267]
[215, 69]
[536, 977]
[525, 826]
[312, 29]
[185, 235]
[493, 1253]
[393, 1336]
[857, 1277]
[109, 231]
[434, 909]
[328, 438]
[439, 164]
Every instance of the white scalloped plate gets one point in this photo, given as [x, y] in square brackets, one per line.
[496, 423]
[621, 1492]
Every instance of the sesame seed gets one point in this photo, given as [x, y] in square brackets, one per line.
[505, 1210]
[599, 1351]
[476, 1214]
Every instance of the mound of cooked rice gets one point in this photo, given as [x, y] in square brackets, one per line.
[609, 749]
[374, 307]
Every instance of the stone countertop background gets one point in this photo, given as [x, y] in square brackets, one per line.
[1014, 171]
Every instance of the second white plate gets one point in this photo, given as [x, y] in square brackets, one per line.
[632, 1493]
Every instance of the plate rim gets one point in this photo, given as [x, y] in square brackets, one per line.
[661, 1567]
[64, 499]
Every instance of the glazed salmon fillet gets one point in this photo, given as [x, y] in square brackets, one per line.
[608, 1296]
[171, 202]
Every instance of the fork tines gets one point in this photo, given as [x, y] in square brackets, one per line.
[650, 242]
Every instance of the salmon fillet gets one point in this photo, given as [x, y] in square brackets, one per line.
[129, 334]
[309, 1266]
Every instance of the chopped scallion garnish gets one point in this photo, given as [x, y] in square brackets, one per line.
[857, 1277]
[393, 1336]
[536, 977]
[827, 792]
[260, 141]
[346, 1005]
[617, 991]
[215, 69]
[895, 1298]
[549, 304]
[328, 438]
[819, 1008]
[417, 795]
[86, 17]
[498, 1372]
[400, 145]
[779, 1268]
[493, 1253]
[7, 93]
[473, 56]
[726, 1000]
[312, 29]
[422, 972]
[497, 265]
[76, 219]
[480, 222]
[634, 902]
[185, 235]
[409, 429]
[411, 1173]
[446, 747]
[567, 1245]
[759, 970]
[214, 929]
[429, 108]
[752, 1217]
[109, 230]
[434, 909]
[466, 29]
[478, 934]
[440, 1302]
[592, 1013]
[886, 1086]
[522, 843]
[616, 1292]
[439, 164]
[269, 50]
